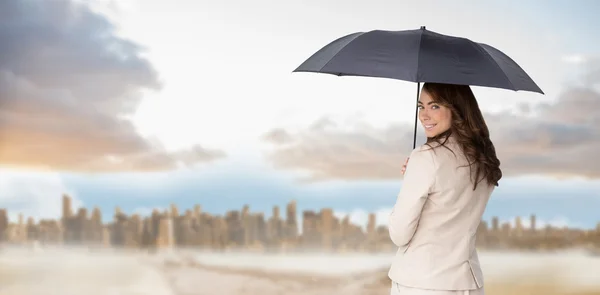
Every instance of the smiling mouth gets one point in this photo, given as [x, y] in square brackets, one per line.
[429, 126]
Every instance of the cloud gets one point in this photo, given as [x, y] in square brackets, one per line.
[557, 139]
[67, 84]
[574, 58]
[344, 154]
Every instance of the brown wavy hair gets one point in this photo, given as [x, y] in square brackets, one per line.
[468, 128]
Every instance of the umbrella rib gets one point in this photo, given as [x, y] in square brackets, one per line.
[489, 56]
[332, 58]
[418, 62]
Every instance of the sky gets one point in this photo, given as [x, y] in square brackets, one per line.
[140, 104]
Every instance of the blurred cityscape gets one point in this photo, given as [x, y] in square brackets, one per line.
[244, 230]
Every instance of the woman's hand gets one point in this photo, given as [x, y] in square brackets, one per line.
[404, 166]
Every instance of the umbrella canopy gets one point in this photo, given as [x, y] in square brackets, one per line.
[419, 56]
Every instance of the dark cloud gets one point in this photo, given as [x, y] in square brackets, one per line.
[66, 82]
[559, 139]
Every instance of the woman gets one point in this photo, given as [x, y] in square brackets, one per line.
[447, 184]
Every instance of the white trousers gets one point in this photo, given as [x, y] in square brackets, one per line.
[402, 290]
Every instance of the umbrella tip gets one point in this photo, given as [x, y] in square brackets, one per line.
[422, 27]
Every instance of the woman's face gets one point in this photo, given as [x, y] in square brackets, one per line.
[435, 118]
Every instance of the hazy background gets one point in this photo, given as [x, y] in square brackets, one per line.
[77, 272]
[145, 103]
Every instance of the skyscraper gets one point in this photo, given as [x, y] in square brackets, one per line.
[291, 223]
[3, 224]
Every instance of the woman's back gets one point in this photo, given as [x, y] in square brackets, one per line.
[440, 254]
[453, 208]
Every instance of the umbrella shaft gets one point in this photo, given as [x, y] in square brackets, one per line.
[416, 116]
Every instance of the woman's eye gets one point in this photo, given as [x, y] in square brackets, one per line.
[435, 107]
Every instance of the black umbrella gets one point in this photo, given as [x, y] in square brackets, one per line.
[419, 56]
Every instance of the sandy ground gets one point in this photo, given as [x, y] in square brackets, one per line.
[49, 272]
[79, 272]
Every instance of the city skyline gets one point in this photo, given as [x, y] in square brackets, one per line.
[13, 216]
[246, 230]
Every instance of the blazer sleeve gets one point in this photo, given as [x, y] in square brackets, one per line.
[419, 179]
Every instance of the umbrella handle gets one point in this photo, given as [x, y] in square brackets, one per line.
[416, 116]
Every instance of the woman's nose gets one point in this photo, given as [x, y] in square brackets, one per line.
[423, 114]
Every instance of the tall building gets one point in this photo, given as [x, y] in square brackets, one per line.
[118, 211]
[246, 225]
[371, 224]
[518, 226]
[3, 225]
[197, 211]
[310, 229]
[327, 229]
[166, 238]
[21, 231]
[275, 226]
[495, 224]
[174, 211]
[67, 210]
[291, 225]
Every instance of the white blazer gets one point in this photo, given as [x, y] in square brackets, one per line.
[434, 221]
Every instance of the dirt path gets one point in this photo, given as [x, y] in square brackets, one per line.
[191, 278]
